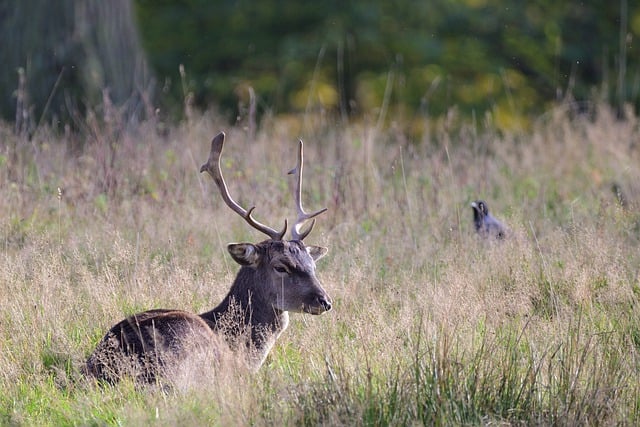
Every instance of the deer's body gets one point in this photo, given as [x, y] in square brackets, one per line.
[276, 276]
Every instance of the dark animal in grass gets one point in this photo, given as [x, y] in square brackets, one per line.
[620, 195]
[485, 224]
[276, 276]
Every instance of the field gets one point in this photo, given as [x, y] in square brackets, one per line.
[431, 324]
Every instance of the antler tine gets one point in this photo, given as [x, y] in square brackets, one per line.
[212, 167]
[302, 215]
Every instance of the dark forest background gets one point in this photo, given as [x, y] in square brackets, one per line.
[510, 58]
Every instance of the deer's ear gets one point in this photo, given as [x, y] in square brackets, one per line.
[317, 252]
[244, 253]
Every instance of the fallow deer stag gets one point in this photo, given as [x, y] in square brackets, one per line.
[276, 276]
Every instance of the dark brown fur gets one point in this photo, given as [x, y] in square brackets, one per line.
[275, 277]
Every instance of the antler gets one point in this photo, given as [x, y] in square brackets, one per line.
[296, 234]
[213, 168]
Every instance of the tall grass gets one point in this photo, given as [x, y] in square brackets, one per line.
[431, 325]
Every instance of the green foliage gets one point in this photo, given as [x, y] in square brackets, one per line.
[420, 59]
[101, 203]
[503, 56]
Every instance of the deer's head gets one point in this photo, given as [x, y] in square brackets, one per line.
[286, 269]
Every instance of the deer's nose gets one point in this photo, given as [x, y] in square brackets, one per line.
[325, 302]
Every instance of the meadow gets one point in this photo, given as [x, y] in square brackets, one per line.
[430, 323]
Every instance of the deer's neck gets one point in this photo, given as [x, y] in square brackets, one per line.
[247, 318]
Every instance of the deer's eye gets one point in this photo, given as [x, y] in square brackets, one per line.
[281, 269]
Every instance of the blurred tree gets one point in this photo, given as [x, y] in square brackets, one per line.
[59, 56]
[509, 57]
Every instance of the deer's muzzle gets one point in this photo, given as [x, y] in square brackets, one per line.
[319, 305]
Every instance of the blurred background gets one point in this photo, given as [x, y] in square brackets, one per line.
[509, 59]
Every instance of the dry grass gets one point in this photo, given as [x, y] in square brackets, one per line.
[431, 325]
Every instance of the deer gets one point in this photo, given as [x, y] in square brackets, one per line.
[276, 276]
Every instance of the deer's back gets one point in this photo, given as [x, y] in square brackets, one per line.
[144, 343]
